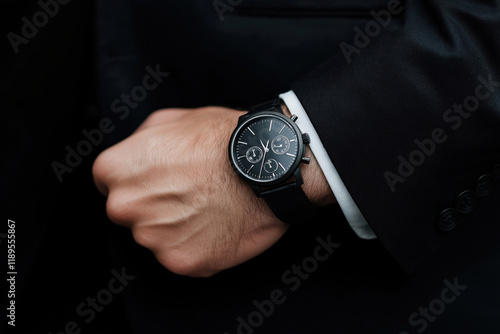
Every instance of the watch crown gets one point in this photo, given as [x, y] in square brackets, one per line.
[306, 139]
[305, 160]
[294, 118]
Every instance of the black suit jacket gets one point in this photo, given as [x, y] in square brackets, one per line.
[395, 90]
[413, 121]
[383, 99]
[374, 97]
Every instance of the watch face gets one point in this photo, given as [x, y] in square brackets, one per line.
[266, 148]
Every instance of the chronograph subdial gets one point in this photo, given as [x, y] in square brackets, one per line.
[280, 145]
[254, 154]
[270, 166]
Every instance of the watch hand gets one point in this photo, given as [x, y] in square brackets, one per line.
[264, 157]
[263, 161]
[262, 145]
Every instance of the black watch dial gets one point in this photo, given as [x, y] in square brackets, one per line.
[266, 148]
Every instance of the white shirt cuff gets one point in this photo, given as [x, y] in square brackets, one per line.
[349, 208]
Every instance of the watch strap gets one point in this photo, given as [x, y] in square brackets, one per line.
[289, 203]
[274, 105]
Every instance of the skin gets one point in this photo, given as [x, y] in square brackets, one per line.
[171, 183]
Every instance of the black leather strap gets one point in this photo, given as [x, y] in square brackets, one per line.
[287, 201]
[274, 105]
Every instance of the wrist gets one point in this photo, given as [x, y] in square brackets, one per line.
[315, 184]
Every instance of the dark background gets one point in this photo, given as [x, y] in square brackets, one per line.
[48, 97]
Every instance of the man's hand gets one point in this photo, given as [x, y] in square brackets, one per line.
[171, 183]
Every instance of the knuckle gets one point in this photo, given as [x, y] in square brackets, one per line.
[156, 117]
[182, 263]
[144, 238]
[103, 164]
[118, 209]
[153, 118]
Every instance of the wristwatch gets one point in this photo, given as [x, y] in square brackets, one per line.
[266, 149]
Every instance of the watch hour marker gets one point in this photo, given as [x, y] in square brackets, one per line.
[293, 139]
[282, 129]
[242, 142]
[241, 157]
[250, 168]
[270, 125]
[282, 166]
[290, 155]
[251, 131]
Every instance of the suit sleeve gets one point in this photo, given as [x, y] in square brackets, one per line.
[411, 119]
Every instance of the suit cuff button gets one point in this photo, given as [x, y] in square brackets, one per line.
[466, 202]
[485, 185]
[448, 220]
